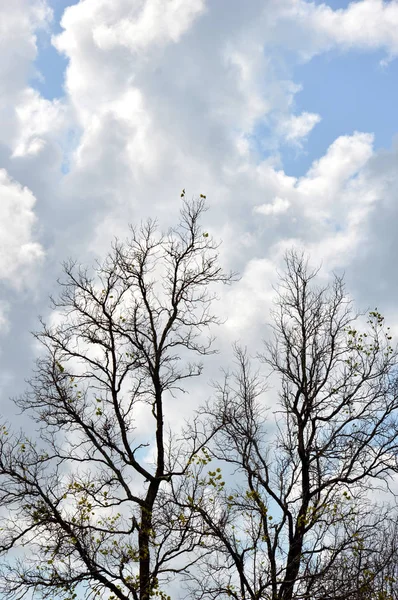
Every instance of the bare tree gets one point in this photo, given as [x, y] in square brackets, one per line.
[367, 570]
[302, 506]
[84, 508]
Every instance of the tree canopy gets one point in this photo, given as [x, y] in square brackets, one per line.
[249, 500]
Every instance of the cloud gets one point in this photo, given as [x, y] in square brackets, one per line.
[327, 213]
[311, 28]
[4, 324]
[297, 127]
[202, 98]
[20, 254]
[276, 207]
[20, 21]
[31, 126]
[368, 24]
[144, 24]
[163, 103]
[342, 161]
[152, 96]
[38, 120]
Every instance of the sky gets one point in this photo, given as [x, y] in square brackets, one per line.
[283, 112]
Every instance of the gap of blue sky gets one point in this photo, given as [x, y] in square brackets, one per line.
[351, 92]
[334, 4]
[50, 64]
[58, 7]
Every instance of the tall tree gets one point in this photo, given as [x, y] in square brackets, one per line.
[368, 570]
[82, 505]
[302, 505]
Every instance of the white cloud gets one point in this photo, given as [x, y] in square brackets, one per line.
[20, 254]
[309, 28]
[296, 127]
[326, 213]
[38, 119]
[161, 93]
[144, 24]
[166, 103]
[32, 127]
[321, 187]
[276, 207]
[4, 323]
[19, 21]
[368, 24]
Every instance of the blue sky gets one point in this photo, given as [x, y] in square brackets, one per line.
[50, 63]
[351, 92]
[335, 4]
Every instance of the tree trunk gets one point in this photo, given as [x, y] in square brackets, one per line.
[144, 553]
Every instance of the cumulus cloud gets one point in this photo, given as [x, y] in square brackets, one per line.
[364, 25]
[276, 207]
[191, 100]
[3, 317]
[19, 252]
[296, 127]
[159, 93]
[327, 213]
[320, 188]
[143, 24]
[37, 119]
[34, 130]
[19, 23]
[368, 24]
